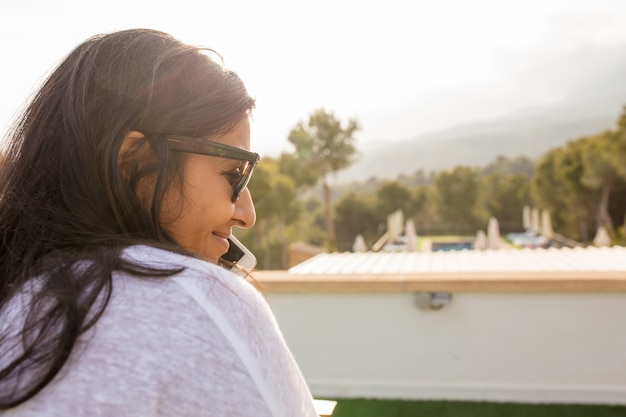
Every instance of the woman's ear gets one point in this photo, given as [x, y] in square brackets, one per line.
[129, 151]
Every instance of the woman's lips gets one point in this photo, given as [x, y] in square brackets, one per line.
[222, 241]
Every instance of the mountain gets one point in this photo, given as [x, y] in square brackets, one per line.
[529, 132]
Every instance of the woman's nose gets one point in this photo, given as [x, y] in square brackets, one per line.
[244, 210]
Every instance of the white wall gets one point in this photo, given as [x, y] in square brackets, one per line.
[498, 347]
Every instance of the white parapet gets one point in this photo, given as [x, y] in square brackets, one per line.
[517, 347]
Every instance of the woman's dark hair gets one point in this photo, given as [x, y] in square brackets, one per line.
[69, 204]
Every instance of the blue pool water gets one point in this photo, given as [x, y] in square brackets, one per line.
[449, 246]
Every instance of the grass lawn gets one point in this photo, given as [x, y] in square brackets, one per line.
[398, 408]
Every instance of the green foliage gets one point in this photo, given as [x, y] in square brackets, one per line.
[597, 161]
[290, 165]
[504, 196]
[456, 201]
[274, 193]
[619, 139]
[419, 177]
[392, 196]
[600, 172]
[557, 186]
[324, 146]
[276, 204]
[503, 165]
[582, 184]
[457, 193]
[355, 214]
[312, 227]
[424, 207]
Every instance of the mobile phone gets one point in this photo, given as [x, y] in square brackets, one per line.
[238, 255]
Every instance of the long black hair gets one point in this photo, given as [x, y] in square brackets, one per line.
[69, 204]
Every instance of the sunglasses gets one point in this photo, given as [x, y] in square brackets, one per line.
[205, 147]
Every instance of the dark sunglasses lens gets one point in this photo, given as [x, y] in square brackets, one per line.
[246, 174]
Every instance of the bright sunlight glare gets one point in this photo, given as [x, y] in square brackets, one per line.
[401, 68]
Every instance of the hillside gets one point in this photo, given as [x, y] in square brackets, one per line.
[529, 132]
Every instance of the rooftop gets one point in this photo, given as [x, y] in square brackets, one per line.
[569, 269]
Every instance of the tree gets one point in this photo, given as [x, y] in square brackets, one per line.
[355, 214]
[424, 208]
[619, 139]
[600, 173]
[504, 165]
[557, 186]
[457, 191]
[275, 201]
[290, 165]
[619, 160]
[392, 196]
[324, 146]
[504, 197]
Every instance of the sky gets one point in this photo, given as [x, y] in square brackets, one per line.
[401, 68]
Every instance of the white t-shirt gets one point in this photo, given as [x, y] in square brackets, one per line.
[201, 343]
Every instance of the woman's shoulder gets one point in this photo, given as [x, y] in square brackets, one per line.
[155, 257]
[183, 267]
[210, 285]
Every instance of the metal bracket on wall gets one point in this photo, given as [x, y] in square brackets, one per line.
[432, 300]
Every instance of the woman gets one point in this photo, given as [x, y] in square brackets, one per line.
[120, 185]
